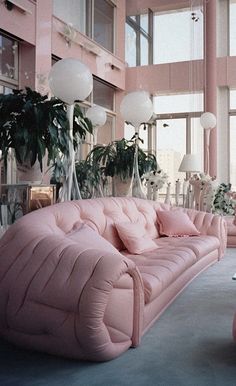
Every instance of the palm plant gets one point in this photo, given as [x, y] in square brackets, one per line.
[117, 158]
[32, 125]
[90, 178]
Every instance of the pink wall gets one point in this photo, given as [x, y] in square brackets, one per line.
[166, 78]
[19, 23]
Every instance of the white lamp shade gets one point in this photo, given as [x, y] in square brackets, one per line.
[97, 115]
[208, 120]
[190, 163]
[136, 107]
[70, 80]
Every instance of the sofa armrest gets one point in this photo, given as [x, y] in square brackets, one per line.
[111, 307]
[67, 301]
[210, 224]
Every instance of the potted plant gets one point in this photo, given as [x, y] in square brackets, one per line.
[224, 201]
[117, 159]
[34, 125]
[91, 179]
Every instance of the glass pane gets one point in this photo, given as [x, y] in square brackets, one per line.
[179, 103]
[232, 96]
[171, 147]
[144, 51]
[104, 135]
[103, 94]
[177, 37]
[143, 134]
[103, 24]
[197, 140]
[72, 12]
[233, 152]
[130, 46]
[232, 30]
[8, 58]
[144, 22]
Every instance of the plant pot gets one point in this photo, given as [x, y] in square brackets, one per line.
[122, 188]
[29, 174]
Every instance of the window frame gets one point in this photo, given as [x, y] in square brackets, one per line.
[136, 26]
[90, 23]
[12, 82]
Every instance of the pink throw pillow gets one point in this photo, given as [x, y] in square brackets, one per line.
[175, 223]
[135, 238]
[87, 238]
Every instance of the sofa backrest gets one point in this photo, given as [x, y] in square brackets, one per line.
[100, 214]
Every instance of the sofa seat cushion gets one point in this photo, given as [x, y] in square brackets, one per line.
[159, 268]
[200, 245]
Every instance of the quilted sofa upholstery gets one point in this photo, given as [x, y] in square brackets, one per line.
[60, 297]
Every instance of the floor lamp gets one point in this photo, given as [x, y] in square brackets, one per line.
[98, 117]
[136, 108]
[70, 80]
[189, 164]
[208, 122]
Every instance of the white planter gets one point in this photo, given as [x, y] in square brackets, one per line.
[122, 188]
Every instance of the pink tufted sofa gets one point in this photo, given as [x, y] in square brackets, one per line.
[77, 300]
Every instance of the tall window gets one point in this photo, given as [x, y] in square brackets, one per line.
[232, 28]
[232, 139]
[103, 29]
[8, 60]
[138, 47]
[8, 82]
[92, 17]
[187, 29]
[178, 131]
[103, 95]
[71, 12]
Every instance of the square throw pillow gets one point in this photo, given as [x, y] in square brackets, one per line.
[175, 223]
[87, 238]
[135, 237]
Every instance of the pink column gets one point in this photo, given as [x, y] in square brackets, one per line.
[210, 81]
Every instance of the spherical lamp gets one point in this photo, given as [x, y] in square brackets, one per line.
[136, 107]
[208, 120]
[70, 80]
[97, 115]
